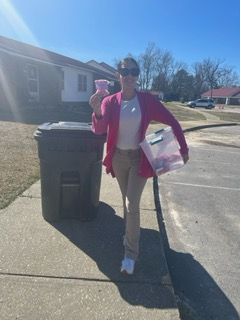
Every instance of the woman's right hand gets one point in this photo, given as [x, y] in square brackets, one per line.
[95, 103]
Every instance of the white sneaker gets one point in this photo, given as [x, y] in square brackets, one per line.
[127, 266]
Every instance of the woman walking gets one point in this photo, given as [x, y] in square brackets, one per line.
[125, 117]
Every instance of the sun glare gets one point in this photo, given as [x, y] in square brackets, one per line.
[13, 26]
[11, 23]
[7, 91]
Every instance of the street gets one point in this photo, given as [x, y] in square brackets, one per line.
[200, 208]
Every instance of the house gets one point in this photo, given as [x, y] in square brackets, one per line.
[30, 74]
[227, 96]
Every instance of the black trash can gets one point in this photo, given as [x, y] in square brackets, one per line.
[70, 157]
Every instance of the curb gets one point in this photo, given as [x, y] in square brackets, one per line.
[160, 219]
[209, 126]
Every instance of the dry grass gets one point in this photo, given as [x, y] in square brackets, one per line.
[227, 116]
[18, 160]
[183, 114]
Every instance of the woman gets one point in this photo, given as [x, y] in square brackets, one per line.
[125, 116]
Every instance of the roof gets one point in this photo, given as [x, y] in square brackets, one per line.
[102, 66]
[223, 92]
[32, 52]
[112, 69]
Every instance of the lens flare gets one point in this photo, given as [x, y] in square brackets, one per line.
[11, 23]
[13, 26]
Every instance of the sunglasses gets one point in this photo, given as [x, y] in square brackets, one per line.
[124, 72]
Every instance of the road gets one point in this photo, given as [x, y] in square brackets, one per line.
[200, 207]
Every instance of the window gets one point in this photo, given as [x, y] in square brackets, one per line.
[82, 83]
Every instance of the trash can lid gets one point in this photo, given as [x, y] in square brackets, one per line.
[66, 129]
[65, 125]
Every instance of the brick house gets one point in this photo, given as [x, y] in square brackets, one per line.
[29, 74]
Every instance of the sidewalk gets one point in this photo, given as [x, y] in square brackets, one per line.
[70, 269]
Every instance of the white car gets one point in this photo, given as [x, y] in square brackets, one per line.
[207, 103]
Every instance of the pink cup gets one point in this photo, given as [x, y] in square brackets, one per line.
[102, 86]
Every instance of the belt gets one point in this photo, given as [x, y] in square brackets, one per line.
[127, 152]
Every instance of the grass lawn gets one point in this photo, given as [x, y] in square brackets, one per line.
[183, 114]
[19, 161]
[227, 116]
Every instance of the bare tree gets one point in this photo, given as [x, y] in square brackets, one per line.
[229, 78]
[165, 67]
[159, 71]
[148, 63]
[212, 72]
[199, 81]
[177, 66]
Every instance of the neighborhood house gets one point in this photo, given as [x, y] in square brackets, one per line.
[226, 96]
[29, 74]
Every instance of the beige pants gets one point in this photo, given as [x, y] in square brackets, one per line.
[125, 165]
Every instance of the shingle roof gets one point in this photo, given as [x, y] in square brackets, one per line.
[223, 92]
[33, 52]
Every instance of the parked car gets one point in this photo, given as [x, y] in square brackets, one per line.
[207, 103]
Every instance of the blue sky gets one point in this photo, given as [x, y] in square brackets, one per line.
[105, 30]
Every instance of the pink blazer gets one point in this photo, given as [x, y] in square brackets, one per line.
[151, 109]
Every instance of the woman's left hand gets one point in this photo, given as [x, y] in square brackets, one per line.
[185, 158]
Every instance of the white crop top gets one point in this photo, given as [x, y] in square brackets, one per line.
[129, 126]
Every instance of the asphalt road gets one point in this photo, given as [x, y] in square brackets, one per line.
[200, 209]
